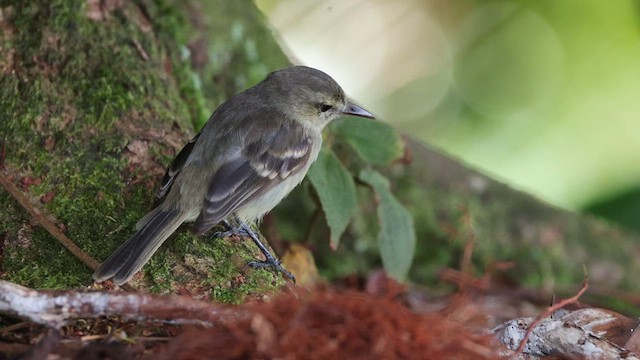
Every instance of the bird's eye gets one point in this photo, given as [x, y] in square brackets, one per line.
[325, 107]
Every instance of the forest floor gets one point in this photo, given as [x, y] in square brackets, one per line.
[354, 318]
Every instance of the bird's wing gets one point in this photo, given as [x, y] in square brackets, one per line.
[177, 164]
[267, 158]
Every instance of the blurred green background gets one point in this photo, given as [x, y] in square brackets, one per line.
[540, 94]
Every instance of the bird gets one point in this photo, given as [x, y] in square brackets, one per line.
[253, 151]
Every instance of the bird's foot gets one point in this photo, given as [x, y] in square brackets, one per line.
[242, 229]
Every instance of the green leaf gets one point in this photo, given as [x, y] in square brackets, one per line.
[336, 190]
[397, 238]
[376, 142]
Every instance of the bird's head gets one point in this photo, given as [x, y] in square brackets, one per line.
[310, 95]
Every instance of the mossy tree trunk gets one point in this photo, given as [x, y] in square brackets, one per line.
[97, 96]
[95, 99]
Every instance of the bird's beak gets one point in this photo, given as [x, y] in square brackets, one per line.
[355, 110]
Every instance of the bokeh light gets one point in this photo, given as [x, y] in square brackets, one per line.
[540, 94]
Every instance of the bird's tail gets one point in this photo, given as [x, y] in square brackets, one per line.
[152, 231]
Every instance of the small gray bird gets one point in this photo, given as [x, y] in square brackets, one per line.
[255, 148]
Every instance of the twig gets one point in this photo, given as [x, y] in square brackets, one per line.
[2, 152]
[138, 46]
[464, 281]
[45, 223]
[465, 262]
[55, 309]
[7, 329]
[550, 310]
[314, 219]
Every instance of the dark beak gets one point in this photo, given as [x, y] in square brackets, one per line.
[355, 110]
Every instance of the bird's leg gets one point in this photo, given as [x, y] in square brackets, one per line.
[271, 261]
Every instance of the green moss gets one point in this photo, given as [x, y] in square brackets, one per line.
[209, 266]
[74, 81]
[60, 269]
[170, 27]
